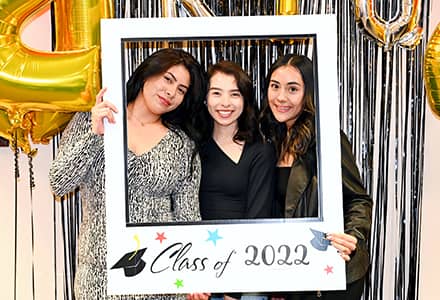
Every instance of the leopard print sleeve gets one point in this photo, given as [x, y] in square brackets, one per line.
[76, 155]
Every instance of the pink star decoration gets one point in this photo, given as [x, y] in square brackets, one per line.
[328, 269]
[160, 236]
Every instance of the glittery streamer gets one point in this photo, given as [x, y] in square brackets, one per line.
[382, 110]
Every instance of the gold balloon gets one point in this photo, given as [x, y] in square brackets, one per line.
[15, 134]
[34, 82]
[78, 23]
[403, 30]
[47, 124]
[78, 27]
[286, 7]
[432, 71]
[168, 8]
[4, 123]
[195, 8]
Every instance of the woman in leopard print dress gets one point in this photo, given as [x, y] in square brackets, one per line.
[162, 160]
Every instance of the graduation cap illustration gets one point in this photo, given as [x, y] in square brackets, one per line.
[319, 240]
[131, 262]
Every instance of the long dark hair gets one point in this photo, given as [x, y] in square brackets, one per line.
[247, 121]
[158, 63]
[297, 139]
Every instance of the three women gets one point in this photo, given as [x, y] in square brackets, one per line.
[237, 177]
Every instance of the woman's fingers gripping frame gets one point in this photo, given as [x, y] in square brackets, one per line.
[344, 243]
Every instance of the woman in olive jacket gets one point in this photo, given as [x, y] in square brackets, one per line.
[287, 121]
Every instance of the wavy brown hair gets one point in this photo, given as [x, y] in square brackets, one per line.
[296, 140]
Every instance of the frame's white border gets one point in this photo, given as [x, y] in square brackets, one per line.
[113, 31]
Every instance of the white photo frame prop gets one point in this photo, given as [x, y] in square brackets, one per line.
[260, 256]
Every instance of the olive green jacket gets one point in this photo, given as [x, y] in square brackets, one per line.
[302, 201]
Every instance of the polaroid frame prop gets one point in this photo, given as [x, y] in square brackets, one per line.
[280, 255]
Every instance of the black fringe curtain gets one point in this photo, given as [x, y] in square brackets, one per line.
[68, 214]
[382, 105]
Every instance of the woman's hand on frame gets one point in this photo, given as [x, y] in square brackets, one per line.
[102, 109]
[345, 244]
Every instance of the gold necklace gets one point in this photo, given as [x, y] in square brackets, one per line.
[143, 123]
[139, 121]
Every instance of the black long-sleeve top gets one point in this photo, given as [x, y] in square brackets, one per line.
[242, 190]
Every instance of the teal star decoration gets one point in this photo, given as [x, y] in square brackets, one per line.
[179, 283]
[213, 236]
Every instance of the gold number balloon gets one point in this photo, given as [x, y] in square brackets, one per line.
[403, 30]
[195, 8]
[77, 24]
[287, 7]
[34, 81]
[432, 71]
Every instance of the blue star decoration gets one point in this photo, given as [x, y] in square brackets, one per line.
[179, 283]
[213, 236]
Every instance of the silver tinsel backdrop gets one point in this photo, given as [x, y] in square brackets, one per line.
[382, 105]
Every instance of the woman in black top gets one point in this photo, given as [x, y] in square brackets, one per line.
[288, 120]
[237, 168]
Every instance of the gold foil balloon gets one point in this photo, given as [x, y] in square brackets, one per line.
[78, 23]
[168, 8]
[34, 81]
[403, 29]
[287, 7]
[432, 71]
[195, 8]
[48, 124]
[78, 27]
[4, 123]
[17, 129]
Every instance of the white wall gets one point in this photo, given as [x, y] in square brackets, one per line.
[430, 241]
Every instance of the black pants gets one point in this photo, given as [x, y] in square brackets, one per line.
[353, 292]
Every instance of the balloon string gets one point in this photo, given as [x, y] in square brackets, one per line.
[31, 187]
[17, 175]
[54, 229]
[16, 153]
[31, 170]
